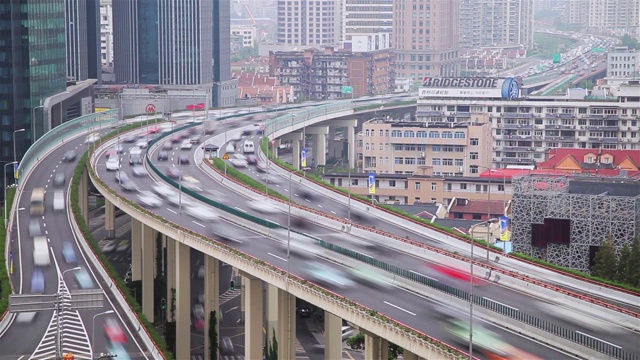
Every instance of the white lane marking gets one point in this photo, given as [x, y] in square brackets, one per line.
[197, 223]
[172, 211]
[428, 277]
[595, 338]
[49, 240]
[511, 307]
[333, 212]
[287, 190]
[231, 309]
[51, 175]
[399, 308]
[46, 232]
[46, 186]
[307, 200]
[320, 206]
[58, 165]
[44, 224]
[276, 256]
[279, 186]
[237, 208]
[294, 194]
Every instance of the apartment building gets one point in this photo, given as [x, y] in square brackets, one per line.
[621, 15]
[106, 33]
[367, 28]
[320, 75]
[623, 62]
[426, 38]
[524, 129]
[401, 147]
[309, 22]
[496, 23]
[577, 12]
[244, 34]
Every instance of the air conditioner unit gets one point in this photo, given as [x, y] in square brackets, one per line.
[422, 154]
[557, 127]
[628, 140]
[501, 114]
[629, 128]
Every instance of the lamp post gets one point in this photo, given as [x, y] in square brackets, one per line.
[489, 205]
[4, 180]
[59, 315]
[93, 327]
[348, 178]
[33, 122]
[15, 156]
[504, 189]
[488, 222]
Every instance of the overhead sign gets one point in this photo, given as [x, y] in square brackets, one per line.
[456, 87]
[372, 183]
[347, 89]
[303, 157]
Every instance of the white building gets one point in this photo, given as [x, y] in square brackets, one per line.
[309, 23]
[496, 23]
[623, 62]
[106, 33]
[248, 34]
[367, 28]
[620, 15]
[524, 129]
[577, 12]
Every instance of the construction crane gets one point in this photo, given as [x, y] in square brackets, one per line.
[250, 15]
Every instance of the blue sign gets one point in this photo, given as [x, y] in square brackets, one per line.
[372, 183]
[303, 157]
[505, 228]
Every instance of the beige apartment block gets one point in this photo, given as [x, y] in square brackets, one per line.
[402, 147]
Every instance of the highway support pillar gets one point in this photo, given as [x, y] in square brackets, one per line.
[253, 324]
[275, 145]
[296, 139]
[272, 310]
[319, 145]
[375, 347]
[148, 270]
[83, 196]
[171, 274]
[211, 298]
[349, 134]
[406, 355]
[286, 334]
[332, 336]
[110, 219]
[136, 250]
[183, 301]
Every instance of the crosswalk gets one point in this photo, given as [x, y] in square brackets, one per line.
[228, 295]
[73, 335]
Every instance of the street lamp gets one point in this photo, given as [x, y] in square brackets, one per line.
[33, 122]
[488, 222]
[348, 177]
[4, 180]
[93, 327]
[14, 144]
[489, 202]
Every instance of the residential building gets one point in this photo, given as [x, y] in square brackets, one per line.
[106, 33]
[593, 161]
[263, 88]
[564, 219]
[623, 62]
[577, 12]
[496, 23]
[426, 38]
[320, 75]
[246, 34]
[367, 28]
[150, 49]
[401, 147]
[525, 128]
[308, 23]
[82, 32]
[619, 15]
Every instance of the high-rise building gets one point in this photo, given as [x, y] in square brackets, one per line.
[106, 33]
[621, 15]
[82, 26]
[577, 12]
[367, 28]
[425, 38]
[496, 23]
[309, 22]
[623, 63]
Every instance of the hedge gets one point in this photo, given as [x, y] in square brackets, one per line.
[246, 179]
[86, 233]
[5, 282]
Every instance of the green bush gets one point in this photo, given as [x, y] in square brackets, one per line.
[5, 282]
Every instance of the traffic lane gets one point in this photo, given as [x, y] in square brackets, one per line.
[265, 250]
[14, 343]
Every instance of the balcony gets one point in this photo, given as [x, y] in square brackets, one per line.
[603, 128]
[513, 160]
[517, 115]
[560, 127]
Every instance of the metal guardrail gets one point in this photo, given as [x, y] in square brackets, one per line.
[288, 120]
[52, 138]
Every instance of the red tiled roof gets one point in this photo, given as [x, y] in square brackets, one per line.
[479, 207]
[556, 156]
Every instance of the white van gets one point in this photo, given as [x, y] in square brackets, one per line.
[135, 156]
[58, 200]
[248, 147]
[41, 251]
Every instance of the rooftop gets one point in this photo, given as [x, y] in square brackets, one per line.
[478, 207]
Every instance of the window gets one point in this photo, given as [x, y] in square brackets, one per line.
[473, 169]
[397, 147]
[409, 134]
[381, 133]
[434, 135]
[366, 146]
[478, 188]
[458, 162]
[421, 147]
[435, 161]
[463, 186]
[473, 156]
[392, 183]
[434, 186]
[381, 146]
[421, 161]
[447, 162]
[473, 141]
[417, 186]
[354, 182]
[386, 133]
[398, 160]
[421, 134]
[409, 161]
[500, 187]
[459, 135]
[459, 148]
[477, 217]
[436, 148]
[447, 135]
[396, 133]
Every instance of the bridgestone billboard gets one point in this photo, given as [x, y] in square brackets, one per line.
[459, 87]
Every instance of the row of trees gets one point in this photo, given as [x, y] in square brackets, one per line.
[623, 267]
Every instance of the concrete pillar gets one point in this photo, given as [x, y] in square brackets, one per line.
[286, 333]
[253, 323]
[319, 144]
[183, 301]
[109, 219]
[296, 154]
[83, 196]
[211, 297]
[351, 138]
[406, 355]
[274, 147]
[375, 347]
[136, 250]
[332, 336]
[171, 273]
[272, 309]
[148, 270]
[333, 146]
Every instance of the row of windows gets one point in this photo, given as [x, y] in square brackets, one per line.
[447, 162]
[418, 134]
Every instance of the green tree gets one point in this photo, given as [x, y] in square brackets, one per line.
[632, 268]
[356, 341]
[605, 262]
[272, 348]
[394, 351]
[213, 337]
[632, 43]
[623, 259]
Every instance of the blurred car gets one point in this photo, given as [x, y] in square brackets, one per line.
[201, 272]
[201, 298]
[307, 194]
[124, 245]
[167, 145]
[163, 156]
[139, 171]
[240, 163]
[114, 332]
[121, 176]
[34, 227]
[272, 179]
[163, 190]
[252, 159]
[455, 274]
[176, 139]
[176, 200]
[195, 140]
[110, 246]
[247, 132]
[142, 144]
[174, 173]
[37, 281]
[130, 139]
[263, 206]
[84, 279]
[201, 212]
[186, 145]
[113, 163]
[198, 324]
[191, 183]
[226, 346]
[58, 200]
[149, 199]
[93, 137]
[328, 275]
[303, 308]
[69, 253]
[41, 251]
[198, 311]
[26, 317]
[210, 147]
[128, 185]
[261, 166]
[183, 160]
[59, 179]
[69, 156]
